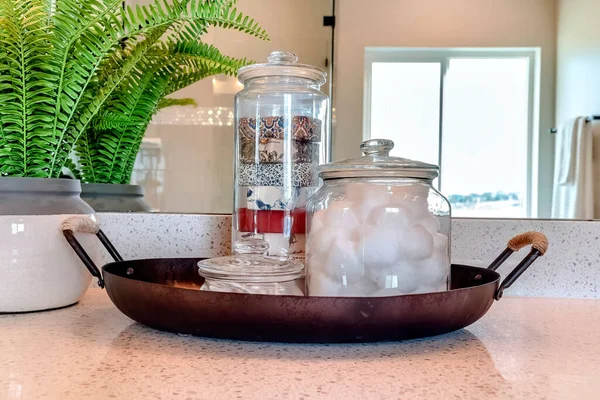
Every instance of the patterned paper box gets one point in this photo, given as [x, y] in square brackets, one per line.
[273, 198]
[299, 174]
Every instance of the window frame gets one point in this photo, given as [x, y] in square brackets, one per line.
[533, 198]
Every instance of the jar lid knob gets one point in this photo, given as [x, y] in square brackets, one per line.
[251, 245]
[379, 147]
[282, 57]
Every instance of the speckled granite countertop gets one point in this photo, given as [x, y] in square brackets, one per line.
[523, 348]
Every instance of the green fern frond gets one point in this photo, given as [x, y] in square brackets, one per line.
[185, 76]
[26, 87]
[207, 57]
[107, 119]
[153, 97]
[226, 17]
[86, 159]
[72, 167]
[202, 14]
[71, 20]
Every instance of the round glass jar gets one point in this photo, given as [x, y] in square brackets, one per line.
[249, 271]
[282, 134]
[377, 227]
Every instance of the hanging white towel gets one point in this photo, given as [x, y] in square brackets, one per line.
[573, 192]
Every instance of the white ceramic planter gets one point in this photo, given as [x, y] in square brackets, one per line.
[38, 268]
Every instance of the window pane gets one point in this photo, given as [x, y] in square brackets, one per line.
[485, 137]
[405, 105]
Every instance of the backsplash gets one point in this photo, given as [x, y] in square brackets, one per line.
[144, 235]
[569, 268]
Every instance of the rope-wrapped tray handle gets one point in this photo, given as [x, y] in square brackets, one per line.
[537, 240]
[80, 224]
[539, 245]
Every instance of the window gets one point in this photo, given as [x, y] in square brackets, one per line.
[471, 111]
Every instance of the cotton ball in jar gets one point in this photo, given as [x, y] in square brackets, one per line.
[320, 240]
[434, 271]
[441, 244]
[327, 225]
[430, 223]
[410, 192]
[371, 197]
[413, 197]
[379, 246]
[317, 221]
[402, 277]
[414, 243]
[419, 207]
[354, 192]
[320, 284]
[341, 214]
[343, 263]
[392, 215]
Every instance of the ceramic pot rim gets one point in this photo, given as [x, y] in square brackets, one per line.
[46, 185]
[111, 189]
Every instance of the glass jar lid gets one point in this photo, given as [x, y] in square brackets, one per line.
[249, 264]
[282, 63]
[377, 163]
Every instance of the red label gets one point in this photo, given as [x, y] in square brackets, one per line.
[272, 221]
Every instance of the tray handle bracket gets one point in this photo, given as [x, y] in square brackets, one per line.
[81, 224]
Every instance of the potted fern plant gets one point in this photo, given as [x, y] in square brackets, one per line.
[63, 66]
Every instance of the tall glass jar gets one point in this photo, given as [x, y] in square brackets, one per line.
[282, 134]
[377, 227]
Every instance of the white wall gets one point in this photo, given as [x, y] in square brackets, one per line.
[439, 23]
[578, 59]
